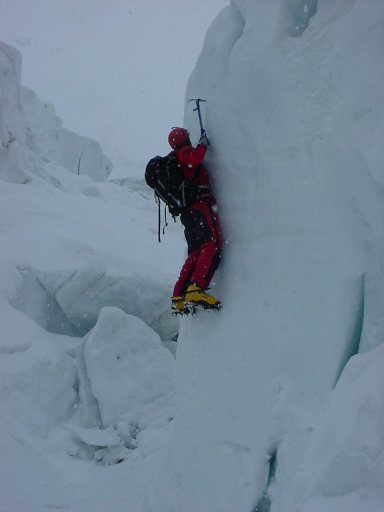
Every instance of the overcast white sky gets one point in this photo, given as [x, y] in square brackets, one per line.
[115, 71]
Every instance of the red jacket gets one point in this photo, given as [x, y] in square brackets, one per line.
[190, 160]
[201, 225]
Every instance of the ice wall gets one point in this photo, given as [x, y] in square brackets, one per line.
[31, 131]
[80, 155]
[14, 155]
[295, 118]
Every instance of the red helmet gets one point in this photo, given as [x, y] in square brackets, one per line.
[178, 137]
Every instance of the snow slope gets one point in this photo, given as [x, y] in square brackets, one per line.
[295, 113]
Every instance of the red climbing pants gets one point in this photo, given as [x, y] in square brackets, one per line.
[203, 236]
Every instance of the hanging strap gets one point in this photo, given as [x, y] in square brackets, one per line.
[165, 220]
[158, 202]
[157, 199]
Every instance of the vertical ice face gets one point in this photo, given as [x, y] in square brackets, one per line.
[78, 154]
[296, 161]
[12, 127]
[30, 128]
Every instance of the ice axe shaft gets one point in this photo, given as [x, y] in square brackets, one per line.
[197, 101]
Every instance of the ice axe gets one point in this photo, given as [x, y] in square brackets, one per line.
[197, 101]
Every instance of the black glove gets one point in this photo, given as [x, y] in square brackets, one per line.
[204, 139]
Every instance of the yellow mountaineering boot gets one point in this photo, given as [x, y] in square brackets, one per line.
[195, 296]
[178, 306]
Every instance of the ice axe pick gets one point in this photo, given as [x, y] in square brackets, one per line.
[197, 102]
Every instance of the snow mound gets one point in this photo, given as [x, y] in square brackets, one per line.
[38, 384]
[126, 364]
[125, 389]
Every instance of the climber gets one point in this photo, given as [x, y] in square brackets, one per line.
[201, 228]
[181, 181]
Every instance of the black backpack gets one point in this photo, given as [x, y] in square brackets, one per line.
[165, 176]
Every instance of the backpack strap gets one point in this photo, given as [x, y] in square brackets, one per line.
[158, 202]
[157, 199]
[165, 219]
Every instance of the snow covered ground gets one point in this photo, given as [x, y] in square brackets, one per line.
[277, 402]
